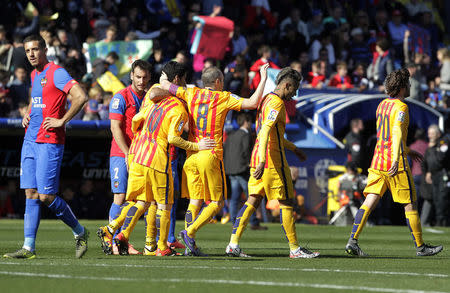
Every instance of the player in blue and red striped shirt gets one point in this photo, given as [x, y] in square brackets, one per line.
[43, 145]
[122, 108]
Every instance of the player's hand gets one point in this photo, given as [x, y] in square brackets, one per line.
[263, 71]
[51, 122]
[26, 120]
[259, 171]
[394, 169]
[300, 154]
[163, 77]
[206, 144]
[428, 178]
[415, 156]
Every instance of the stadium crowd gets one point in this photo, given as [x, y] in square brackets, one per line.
[349, 45]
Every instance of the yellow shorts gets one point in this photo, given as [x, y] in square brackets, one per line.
[274, 183]
[401, 185]
[147, 184]
[203, 177]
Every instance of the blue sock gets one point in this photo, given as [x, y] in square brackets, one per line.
[114, 211]
[173, 219]
[64, 213]
[31, 222]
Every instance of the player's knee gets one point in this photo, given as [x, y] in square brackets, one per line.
[119, 198]
[31, 194]
[47, 199]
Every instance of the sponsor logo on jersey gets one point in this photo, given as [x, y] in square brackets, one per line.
[37, 102]
[235, 96]
[116, 184]
[115, 104]
[401, 116]
[180, 126]
[272, 115]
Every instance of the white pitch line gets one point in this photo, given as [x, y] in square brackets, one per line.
[220, 281]
[239, 268]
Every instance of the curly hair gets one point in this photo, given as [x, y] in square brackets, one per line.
[395, 81]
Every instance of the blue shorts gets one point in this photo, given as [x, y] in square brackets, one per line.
[119, 174]
[40, 166]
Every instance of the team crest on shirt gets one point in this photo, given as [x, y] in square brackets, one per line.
[272, 115]
[43, 81]
[116, 184]
[401, 116]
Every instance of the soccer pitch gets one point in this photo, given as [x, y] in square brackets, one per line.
[391, 267]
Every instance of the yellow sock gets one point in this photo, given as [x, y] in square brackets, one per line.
[288, 225]
[163, 224]
[241, 222]
[413, 221]
[360, 221]
[207, 214]
[150, 231]
[133, 215]
[118, 222]
[191, 214]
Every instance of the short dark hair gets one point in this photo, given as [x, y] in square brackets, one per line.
[36, 38]
[395, 81]
[113, 55]
[142, 64]
[172, 69]
[383, 43]
[289, 74]
[243, 117]
[210, 75]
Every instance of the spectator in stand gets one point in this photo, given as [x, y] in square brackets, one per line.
[443, 55]
[22, 30]
[19, 58]
[359, 48]
[5, 47]
[359, 78]
[54, 52]
[397, 31]
[354, 143]
[265, 53]
[420, 145]
[92, 107]
[380, 26]
[239, 42]
[381, 65]
[74, 34]
[111, 34]
[324, 41]
[292, 41]
[417, 80]
[341, 80]
[112, 60]
[335, 18]
[295, 21]
[158, 60]
[19, 88]
[316, 77]
[259, 17]
[415, 7]
[235, 79]
[304, 61]
[315, 24]
[362, 21]
[5, 100]
[434, 31]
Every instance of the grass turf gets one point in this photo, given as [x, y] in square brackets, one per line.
[391, 267]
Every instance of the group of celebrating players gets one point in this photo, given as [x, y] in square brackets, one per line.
[147, 130]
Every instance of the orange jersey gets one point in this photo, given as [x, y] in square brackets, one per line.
[139, 119]
[207, 112]
[271, 112]
[390, 112]
[165, 118]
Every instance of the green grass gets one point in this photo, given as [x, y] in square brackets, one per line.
[392, 266]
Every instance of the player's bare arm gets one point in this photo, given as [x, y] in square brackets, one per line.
[263, 141]
[297, 151]
[78, 98]
[119, 137]
[253, 101]
[157, 93]
[26, 117]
